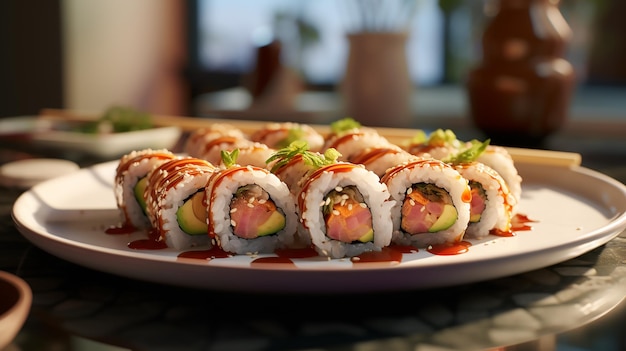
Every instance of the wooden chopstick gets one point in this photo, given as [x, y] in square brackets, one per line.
[394, 135]
[545, 157]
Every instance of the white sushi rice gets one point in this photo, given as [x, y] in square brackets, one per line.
[381, 164]
[351, 144]
[219, 211]
[126, 180]
[498, 204]
[376, 197]
[443, 176]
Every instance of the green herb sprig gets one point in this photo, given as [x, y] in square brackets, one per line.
[469, 154]
[344, 125]
[300, 147]
[229, 159]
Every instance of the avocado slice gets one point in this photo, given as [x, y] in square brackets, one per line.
[273, 224]
[446, 220]
[369, 236]
[475, 218]
[139, 190]
[190, 217]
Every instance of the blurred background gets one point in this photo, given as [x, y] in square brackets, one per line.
[171, 57]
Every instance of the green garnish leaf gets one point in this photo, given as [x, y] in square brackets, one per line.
[470, 154]
[343, 125]
[300, 147]
[441, 137]
[229, 158]
[331, 155]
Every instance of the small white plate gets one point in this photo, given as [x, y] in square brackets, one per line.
[576, 209]
[41, 134]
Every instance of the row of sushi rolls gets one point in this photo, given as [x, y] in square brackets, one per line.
[343, 193]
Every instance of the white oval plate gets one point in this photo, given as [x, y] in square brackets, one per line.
[576, 209]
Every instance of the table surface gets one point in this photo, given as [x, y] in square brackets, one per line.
[574, 305]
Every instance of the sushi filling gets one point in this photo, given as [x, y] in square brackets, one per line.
[478, 203]
[192, 215]
[427, 209]
[346, 215]
[253, 213]
[138, 191]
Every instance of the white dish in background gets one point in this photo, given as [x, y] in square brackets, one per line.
[577, 210]
[41, 134]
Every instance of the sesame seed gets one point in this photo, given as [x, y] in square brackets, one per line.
[262, 201]
[363, 204]
[409, 190]
[250, 205]
[343, 202]
[338, 189]
[349, 207]
[412, 202]
[233, 210]
[327, 202]
[233, 223]
[356, 259]
[322, 203]
[336, 213]
[251, 200]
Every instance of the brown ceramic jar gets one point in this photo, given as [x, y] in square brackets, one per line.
[520, 93]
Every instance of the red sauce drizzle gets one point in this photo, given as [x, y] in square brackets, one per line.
[345, 138]
[387, 254]
[147, 244]
[502, 233]
[212, 253]
[370, 156]
[153, 242]
[272, 261]
[520, 222]
[450, 249]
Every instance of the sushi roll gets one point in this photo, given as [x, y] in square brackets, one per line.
[439, 144]
[208, 143]
[176, 203]
[379, 159]
[345, 210]
[349, 138]
[250, 210]
[293, 163]
[492, 202]
[280, 135]
[432, 203]
[498, 158]
[253, 154]
[130, 182]
[196, 143]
